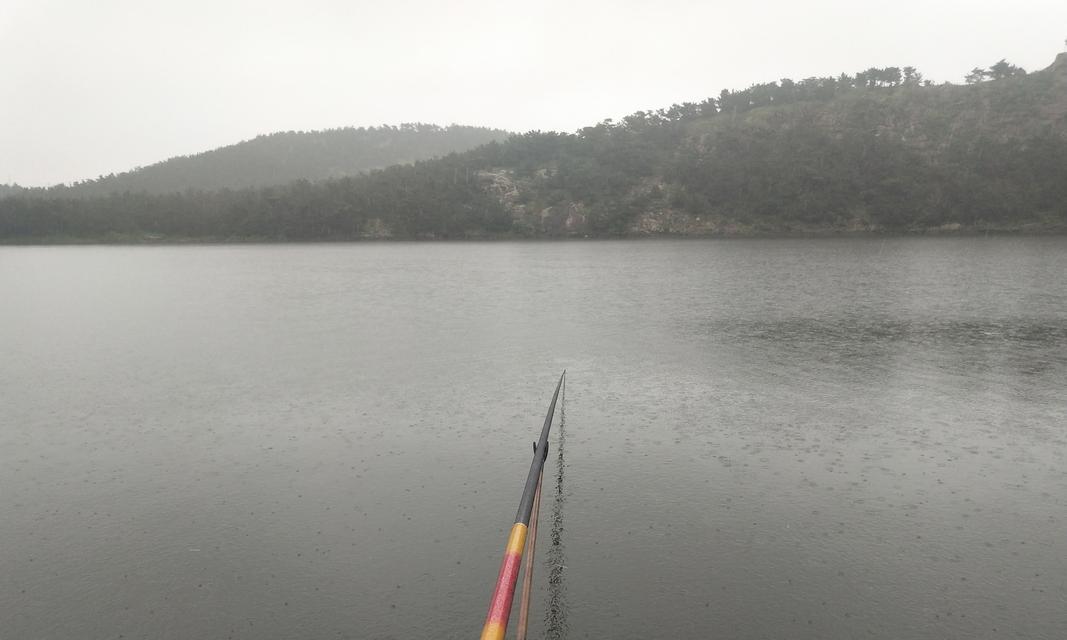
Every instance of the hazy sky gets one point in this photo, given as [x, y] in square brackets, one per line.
[90, 87]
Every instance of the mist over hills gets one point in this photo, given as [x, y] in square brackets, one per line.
[880, 150]
[284, 156]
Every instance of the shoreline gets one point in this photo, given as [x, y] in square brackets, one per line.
[153, 240]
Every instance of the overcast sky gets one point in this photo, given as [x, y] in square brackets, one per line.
[94, 87]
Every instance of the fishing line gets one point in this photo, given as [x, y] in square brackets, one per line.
[556, 607]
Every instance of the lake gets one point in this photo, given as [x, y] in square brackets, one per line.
[793, 438]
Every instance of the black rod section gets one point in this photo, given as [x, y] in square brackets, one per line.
[540, 453]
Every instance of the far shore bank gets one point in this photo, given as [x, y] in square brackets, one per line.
[937, 232]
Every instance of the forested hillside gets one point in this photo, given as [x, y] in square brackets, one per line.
[283, 157]
[880, 150]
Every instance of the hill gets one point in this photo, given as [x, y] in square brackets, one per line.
[878, 151]
[279, 158]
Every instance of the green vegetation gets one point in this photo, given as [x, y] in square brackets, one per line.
[880, 150]
[283, 157]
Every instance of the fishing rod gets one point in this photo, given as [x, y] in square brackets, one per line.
[496, 622]
[527, 571]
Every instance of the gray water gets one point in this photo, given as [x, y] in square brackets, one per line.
[764, 439]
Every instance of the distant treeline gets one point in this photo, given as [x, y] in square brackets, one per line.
[427, 197]
[878, 150]
[283, 157]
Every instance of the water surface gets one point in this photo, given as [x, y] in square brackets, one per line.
[765, 438]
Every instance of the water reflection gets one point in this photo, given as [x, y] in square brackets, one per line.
[843, 333]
